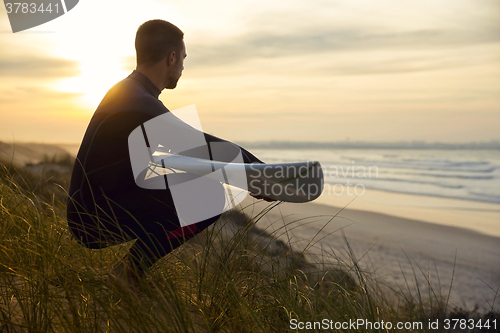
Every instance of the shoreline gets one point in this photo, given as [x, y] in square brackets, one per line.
[447, 241]
[472, 215]
[477, 216]
[394, 248]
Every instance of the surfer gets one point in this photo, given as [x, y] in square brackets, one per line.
[106, 207]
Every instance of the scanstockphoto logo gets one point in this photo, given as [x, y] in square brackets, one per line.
[169, 153]
[290, 182]
[24, 15]
[207, 178]
[349, 180]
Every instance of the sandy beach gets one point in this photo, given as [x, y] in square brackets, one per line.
[445, 241]
[390, 247]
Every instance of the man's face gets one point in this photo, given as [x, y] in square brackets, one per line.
[175, 73]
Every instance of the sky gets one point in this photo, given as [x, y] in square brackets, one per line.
[316, 70]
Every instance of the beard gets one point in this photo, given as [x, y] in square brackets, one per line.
[173, 78]
[172, 82]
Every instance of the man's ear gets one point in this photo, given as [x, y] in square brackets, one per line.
[171, 58]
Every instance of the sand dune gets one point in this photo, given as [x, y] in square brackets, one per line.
[23, 153]
[387, 246]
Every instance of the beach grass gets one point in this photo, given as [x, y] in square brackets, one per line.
[233, 277]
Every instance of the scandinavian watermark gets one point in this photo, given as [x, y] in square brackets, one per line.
[273, 181]
[365, 324]
[207, 178]
[348, 180]
[24, 15]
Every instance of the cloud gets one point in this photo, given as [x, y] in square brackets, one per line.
[341, 39]
[34, 93]
[395, 65]
[128, 62]
[38, 67]
[269, 45]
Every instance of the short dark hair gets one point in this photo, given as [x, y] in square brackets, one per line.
[155, 39]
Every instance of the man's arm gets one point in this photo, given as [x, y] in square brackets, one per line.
[247, 156]
[170, 134]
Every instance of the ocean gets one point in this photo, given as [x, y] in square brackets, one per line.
[468, 174]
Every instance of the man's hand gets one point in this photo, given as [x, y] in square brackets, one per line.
[260, 197]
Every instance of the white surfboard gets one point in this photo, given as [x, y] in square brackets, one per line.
[289, 182]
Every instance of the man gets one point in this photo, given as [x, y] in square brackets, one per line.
[106, 207]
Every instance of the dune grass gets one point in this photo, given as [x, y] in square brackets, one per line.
[234, 277]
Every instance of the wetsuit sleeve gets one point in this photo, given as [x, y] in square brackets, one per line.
[247, 156]
[179, 137]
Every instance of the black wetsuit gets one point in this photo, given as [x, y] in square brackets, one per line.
[106, 207]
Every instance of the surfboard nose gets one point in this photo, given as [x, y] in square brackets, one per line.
[289, 182]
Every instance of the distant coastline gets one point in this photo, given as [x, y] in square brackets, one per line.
[491, 145]
[276, 144]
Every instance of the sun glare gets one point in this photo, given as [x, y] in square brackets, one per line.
[96, 78]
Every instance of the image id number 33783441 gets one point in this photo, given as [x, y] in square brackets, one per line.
[470, 324]
[31, 8]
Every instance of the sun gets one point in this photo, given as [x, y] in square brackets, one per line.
[96, 78]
